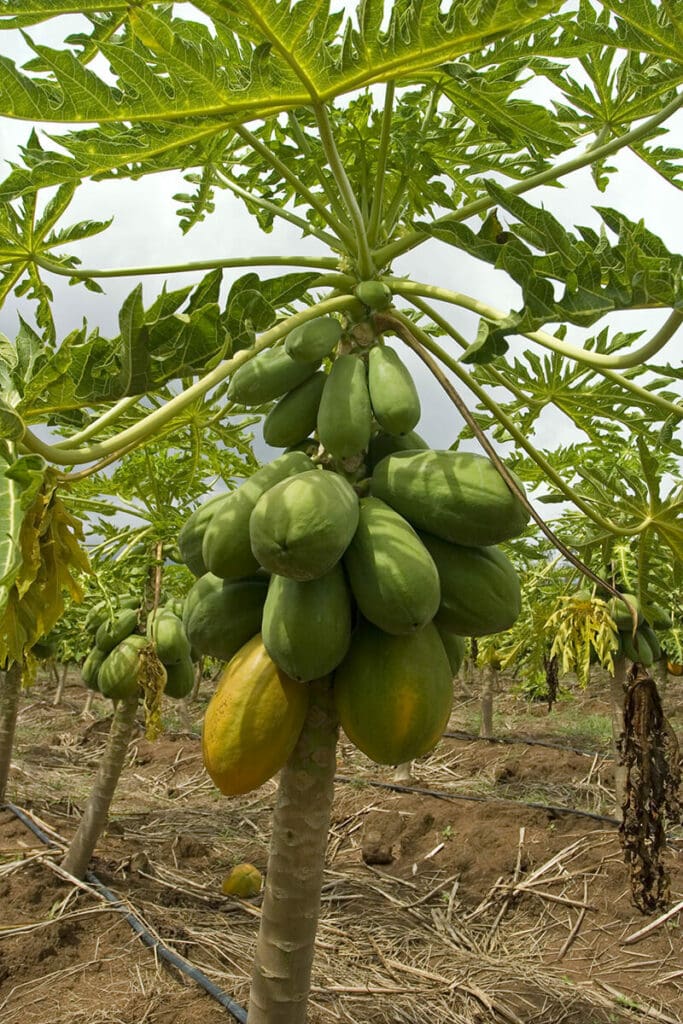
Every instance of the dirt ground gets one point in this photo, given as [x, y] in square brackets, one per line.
[435, 908]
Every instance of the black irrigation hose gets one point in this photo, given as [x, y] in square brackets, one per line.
[478, 799]
[528, 740]
[233, 1008]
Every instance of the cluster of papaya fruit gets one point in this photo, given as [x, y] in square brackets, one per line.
[358, 552]
[642, 647]
[113, 665]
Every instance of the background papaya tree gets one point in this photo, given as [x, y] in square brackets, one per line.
[373, 133]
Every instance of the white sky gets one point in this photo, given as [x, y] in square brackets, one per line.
[145, 231]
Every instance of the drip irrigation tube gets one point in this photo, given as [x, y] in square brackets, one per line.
[458, 734]
[399, 788]
[234, 1009]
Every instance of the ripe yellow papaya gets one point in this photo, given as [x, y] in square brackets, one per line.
[393, 694]
[244, 880]
[252, 721]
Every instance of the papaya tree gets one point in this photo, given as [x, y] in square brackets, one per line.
[374, 133]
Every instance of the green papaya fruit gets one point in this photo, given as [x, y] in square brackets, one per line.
[392, 575]
[636, 649]
[222, 615]
[454, 646]
[658, 616]
[374, 294]
[458, 496]
[119, 672]
[179, 679]
[393, 694]
[480, 591]
[98, 614]
[112, 633]
[267, 376]
[91, 667]
[175, 605]
[44, 649]
[302, 526]
[345, 414]
[313, 340]
[650, 637]
[307, 626]
[295, 415]
[226, 550]
[130, 601]
[382, 444]
[393, 395]
[169, 638]
[191, 535]
[620, 613]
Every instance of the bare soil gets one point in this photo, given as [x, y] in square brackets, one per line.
[435, 909]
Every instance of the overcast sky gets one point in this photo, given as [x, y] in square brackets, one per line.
[145, 231]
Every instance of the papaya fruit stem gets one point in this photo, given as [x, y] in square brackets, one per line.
[281, 975]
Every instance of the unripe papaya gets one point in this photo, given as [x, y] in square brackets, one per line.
[191, 535]
[374, 294]
[294, 417]
[307, 626]
[119, 673]
[345, 414]
[252, 722]
[112, 633]
[621, 614]
[98, 614]
[658, 616]
[636, 649]
[302, 526]
[313, 340]
[267, 376]
[480, 591]
[394, 693]
[91, 667]
[393, 395]
[222, 615]
[458, 496]
[168, 634]
[226, 549]
[392, 575]
[179, 679]
[382, 444]
[650, 637]
[454, 646]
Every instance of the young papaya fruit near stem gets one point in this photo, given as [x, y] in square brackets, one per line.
[621, 614]
[226, 550]
[222, 615]
[636, 649]
[252, 721]
[382, 444]
[179, 678]
[480, 591]
[302, 526]
[394, 693]
[457, 496]
[268, 376]
[392, 575]
[112, 633]
[313, 340]
[91, 667]
[345, 413]
[191, 535]
[295, 415]
[650, 637]
[393, 395]
[307, 626]
[98, 614]
[119, 672]
[168, 634]
[454, 646]
[373, 294]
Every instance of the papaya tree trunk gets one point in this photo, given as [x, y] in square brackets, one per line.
[403, 773]
[88, 704]
[488, 688]
[61, 683]
[617, 697]
[10, 689]
[96, 810]
[660, 675]
[281, 975]
[198, 676]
